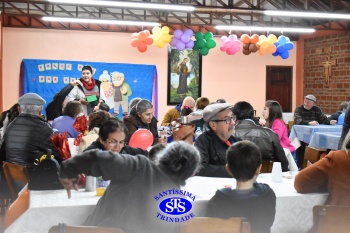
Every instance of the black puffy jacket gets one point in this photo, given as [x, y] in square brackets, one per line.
[265, 139]
[27, 138]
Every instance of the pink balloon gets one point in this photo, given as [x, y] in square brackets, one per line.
[141, 138]
[190, 44]
[223, 39]
[180, 46]
[178, 33]
[223, 48]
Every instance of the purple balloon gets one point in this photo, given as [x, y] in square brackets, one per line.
[185, 38]
[188, 32]
[190, 44]
[180, 46]
[178, 33]
[174, 41]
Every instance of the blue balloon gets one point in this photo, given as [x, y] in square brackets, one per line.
[280, 49]
[285, 55]
[282, 39]
[289, 45]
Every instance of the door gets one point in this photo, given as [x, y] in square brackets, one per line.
[279, 85]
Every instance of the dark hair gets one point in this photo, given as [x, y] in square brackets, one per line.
[185, 111]
[243, 110]
[97, 118]
[275, 111]
[220, 101]
[72, 109]
[202, 102]
[104, 107]
[243, 158]
[142, 106]
[180, 161]
[343, 105]
[110, 126]
[87, 68]
[11, 114]
[134, 101]
[152, 154]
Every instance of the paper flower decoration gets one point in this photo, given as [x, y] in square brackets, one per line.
[161, 36]
[230, 45]
[141, 40]
[249, 43]
[267, 44]
[283, 45]
[204, 42]
[182, 40]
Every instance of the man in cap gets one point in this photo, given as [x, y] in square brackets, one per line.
[28, 136]
[267, 140]
[214, 143]
[310, 114]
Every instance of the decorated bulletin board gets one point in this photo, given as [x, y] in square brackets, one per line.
[46, 77]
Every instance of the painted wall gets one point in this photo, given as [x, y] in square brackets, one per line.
[233, 78]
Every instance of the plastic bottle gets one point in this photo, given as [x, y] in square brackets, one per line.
[198, 132]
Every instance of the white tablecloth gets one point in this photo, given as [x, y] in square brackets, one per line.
[48, 208]
[325, 140]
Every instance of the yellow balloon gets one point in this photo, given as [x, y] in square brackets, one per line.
[271, 38]
[155, 30]
[166, 38]
[262, 38]
[161, 45]
[165, 30]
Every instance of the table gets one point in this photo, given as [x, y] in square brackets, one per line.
[305, 132]
[48, 208]
[325, 140]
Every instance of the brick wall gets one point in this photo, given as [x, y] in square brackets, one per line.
[329, 97]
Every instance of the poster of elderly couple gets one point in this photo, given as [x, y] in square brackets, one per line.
[46, 77]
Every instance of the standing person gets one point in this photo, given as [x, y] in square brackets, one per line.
[131, 200]
[54, 108]
[183, 71]
[249, 199]
[273, 115]
[141, 116]
[88, 94]
[310, 114]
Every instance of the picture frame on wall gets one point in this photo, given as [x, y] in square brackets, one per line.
[184, 75]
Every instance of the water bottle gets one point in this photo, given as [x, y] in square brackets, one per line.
[198, 132]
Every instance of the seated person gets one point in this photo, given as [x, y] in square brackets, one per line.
[214, 143]
[252, 200]
[264, 138]
[65, 122]
[328, 174]
[95, 121]
[7, 117]
[175, 113]
[310, 114]
[102, 106]
[201, 103]
[131, 200]
[112, 136]
[342, 109]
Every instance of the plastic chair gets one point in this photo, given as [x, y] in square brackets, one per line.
[62, 227]
[210, 225]
[330, 219]
[16, 176]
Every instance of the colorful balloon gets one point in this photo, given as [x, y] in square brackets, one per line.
[141, 138]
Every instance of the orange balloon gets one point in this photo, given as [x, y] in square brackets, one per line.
[141, 138]
[142, 47]
[134, 35]
[245, 39]
[254, 39]
[149, 40]
[271, 49]
[135, 42]
[142, 36]
[147, 33]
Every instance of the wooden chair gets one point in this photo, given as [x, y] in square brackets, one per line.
[313, 155]
[266, 166]
[217, 225]
[329, 219]
[62, 227]
[16, 176]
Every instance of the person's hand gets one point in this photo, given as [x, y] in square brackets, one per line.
[83, 101]
[333, 122]
[76, 82]
[69, 184]
[262, 121]
[163, 139]
[315, 123]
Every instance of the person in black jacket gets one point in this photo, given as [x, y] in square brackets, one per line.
[214, 143]
[54, 108]
[112, 136]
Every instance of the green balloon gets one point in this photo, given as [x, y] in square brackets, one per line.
[211, 43]
[198, 35]
[208, 35]
[201, 43]
[204, 51]
[195, 47]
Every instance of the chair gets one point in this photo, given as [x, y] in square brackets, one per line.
[266, 166]
[313, 155]
[329, 219]
[308, 163]
[16, 176]
[218, 225]
[62, 227]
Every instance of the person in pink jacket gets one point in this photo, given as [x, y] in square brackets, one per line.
[273, 116]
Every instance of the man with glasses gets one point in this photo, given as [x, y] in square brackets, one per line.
[264, 138]
[214, 143]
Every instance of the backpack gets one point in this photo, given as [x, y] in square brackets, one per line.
[44, 176]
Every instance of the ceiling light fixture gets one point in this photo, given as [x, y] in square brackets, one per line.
[100, 21]
[265, 29]
[324, 15]
[128, 4]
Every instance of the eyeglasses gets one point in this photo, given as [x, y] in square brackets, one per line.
[114, 143]
[228, 120]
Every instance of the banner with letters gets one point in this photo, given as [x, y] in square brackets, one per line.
[46, 77]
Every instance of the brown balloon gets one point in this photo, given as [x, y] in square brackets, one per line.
[253, 48]
[246, 52]
[246, 46]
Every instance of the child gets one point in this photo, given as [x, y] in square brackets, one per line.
[252, 200]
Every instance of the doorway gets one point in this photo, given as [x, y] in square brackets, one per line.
[279, 85]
